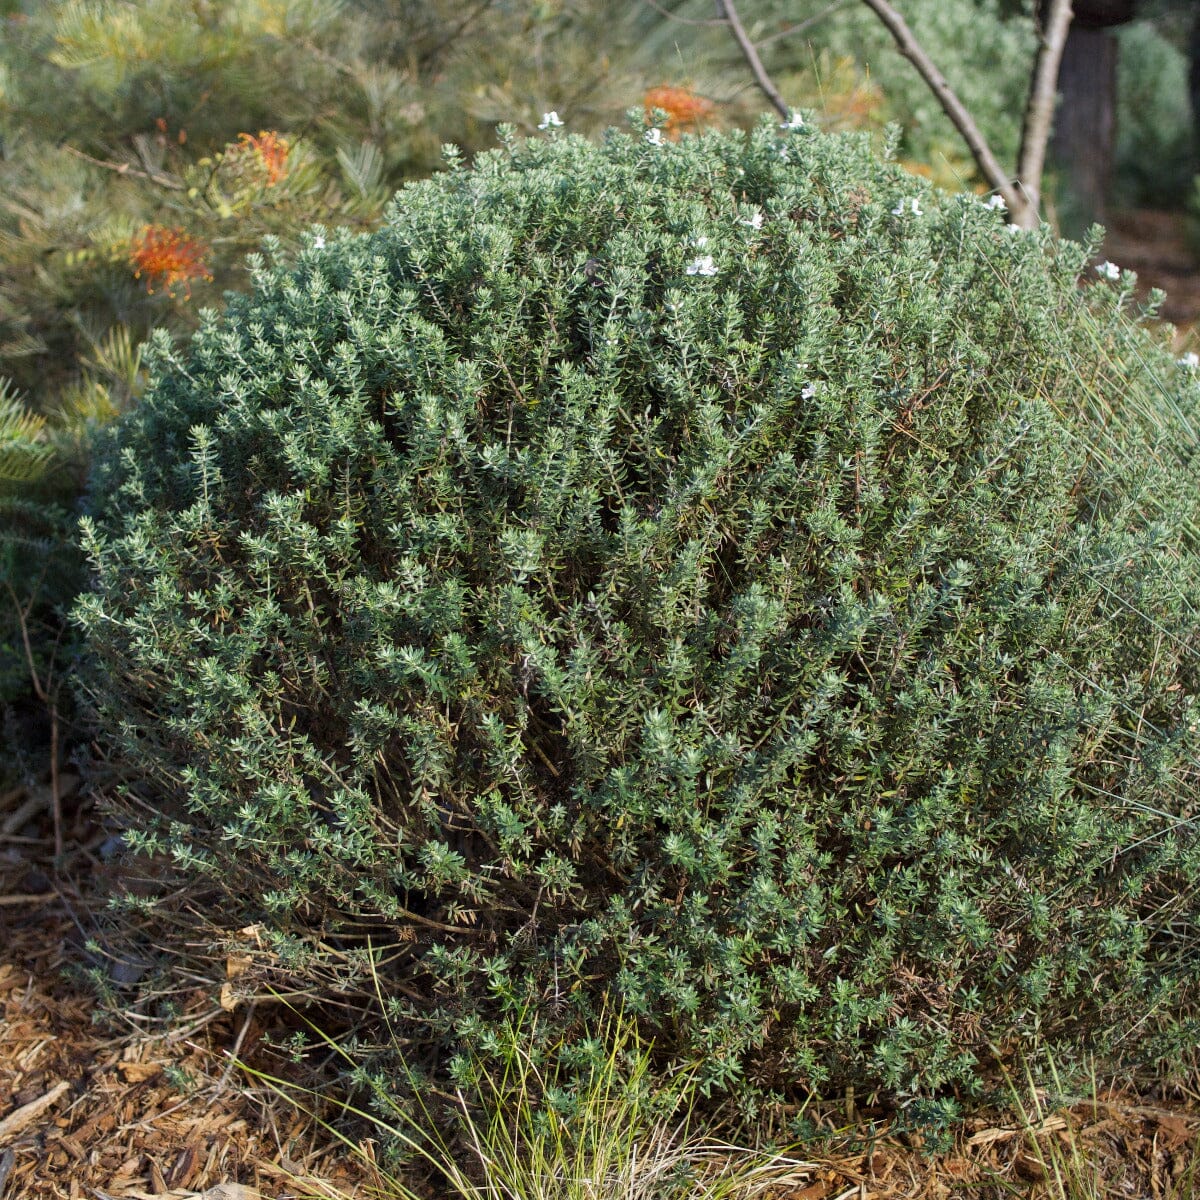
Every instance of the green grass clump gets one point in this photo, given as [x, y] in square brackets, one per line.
[537, 1129]
[724, 577]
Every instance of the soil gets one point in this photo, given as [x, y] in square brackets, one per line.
[1158, 247]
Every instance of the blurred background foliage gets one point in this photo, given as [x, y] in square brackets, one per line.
[1156, 150]
[146, 147]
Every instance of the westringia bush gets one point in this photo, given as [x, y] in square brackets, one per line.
[721, 577]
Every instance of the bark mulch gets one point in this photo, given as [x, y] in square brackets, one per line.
[1158, 247]
[89, 1109]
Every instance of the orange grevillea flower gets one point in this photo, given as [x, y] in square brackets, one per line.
[682, 106]
[168, 257]
[272, 151]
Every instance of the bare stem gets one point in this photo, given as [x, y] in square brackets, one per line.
[47, 694]
[56, 808]
[1039, 112]
[1022, 212]
[801, 26]
[666, 12]
[124, 168]
[727, 10]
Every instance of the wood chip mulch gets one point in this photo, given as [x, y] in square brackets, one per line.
[1157, 245]
[90, 1111]
[126, 1117]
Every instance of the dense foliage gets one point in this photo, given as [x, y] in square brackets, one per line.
[718, 574]
[1157, 150]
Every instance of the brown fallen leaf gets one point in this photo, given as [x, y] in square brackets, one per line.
[1178, 1130]
[814, 1191]
[237, 964]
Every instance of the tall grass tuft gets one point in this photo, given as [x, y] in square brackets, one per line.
[534, 1126]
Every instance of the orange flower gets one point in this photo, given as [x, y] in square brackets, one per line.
[682, 106]
[272, 151]
[168, 256]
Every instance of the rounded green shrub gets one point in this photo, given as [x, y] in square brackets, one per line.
[722, 579]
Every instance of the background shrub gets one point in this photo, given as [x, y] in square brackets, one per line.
[1155, 151]
[724, 576]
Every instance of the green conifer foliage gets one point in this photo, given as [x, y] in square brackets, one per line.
[724, 575]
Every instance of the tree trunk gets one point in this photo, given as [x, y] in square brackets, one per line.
[1085, 129]
[1086, 124]
[1100, 14]
[1194, 88]
[1039, 110]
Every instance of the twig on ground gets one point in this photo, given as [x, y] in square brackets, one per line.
[17, 1120]
[31, 898]
[38, 799]
[233, 1054]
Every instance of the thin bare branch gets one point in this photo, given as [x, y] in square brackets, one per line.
[666, 12]
[1039, 112]
[124, 168]
[47, 694]
[988, 165]
[428, 56]
[728, 10]
[801, 26]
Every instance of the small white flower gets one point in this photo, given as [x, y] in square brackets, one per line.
[318, 242]
[699, 242]
[654, 136]
[795, 121]
[1191, 360]
[996, 201]
[808, 391]
[703, 265]
[550, 120]
[1109, 270]
[755, 219]
[913, 205]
